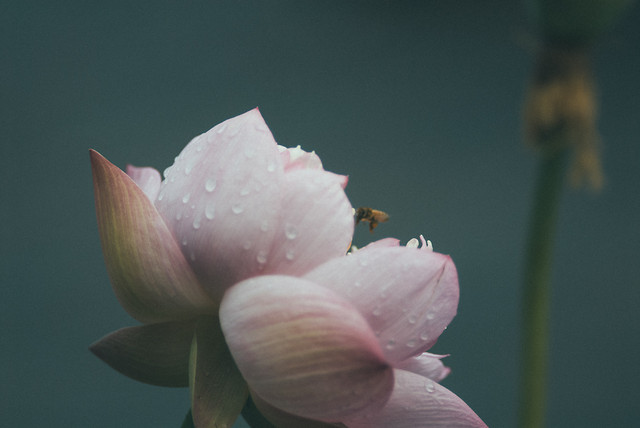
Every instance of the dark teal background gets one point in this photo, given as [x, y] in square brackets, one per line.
[418, 102]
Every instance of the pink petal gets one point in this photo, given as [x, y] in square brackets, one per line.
[157, 354]
[408, 296]
[283, 419]
[418, 402]
[382, 243]
[218, 391]
[303, 349]
[296, 158]
[427, 365]
[221, 199]
[148, 179]
[150, 276]
[316, 223]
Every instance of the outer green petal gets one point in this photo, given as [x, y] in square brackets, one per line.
[156, 353]
[218, 391]
[150, 276]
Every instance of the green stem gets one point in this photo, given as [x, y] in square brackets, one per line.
[552, 171]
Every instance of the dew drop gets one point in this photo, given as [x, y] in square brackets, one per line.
[210, 185]
[424, 336]
[261, 257]
[412, 319]
[179, 215]
[245, 191]
[185, 198]
[210, 211]
[184, 241]
[188, 169]
[166, 172]
[237, 208]
[431, 316]
[411, 343]
[430, 387]
[271, 167]
[290, 231]
[249, 152]
[196, 223]
[221, 128]
[247, 245]
[391, 344]
[161, 196]
[290, 255]
[376, 311]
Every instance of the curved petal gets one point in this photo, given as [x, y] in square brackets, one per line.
[222, 197]
[316, 223]
[218, 391]
[427, 365]
[304, 349]
[408, 296]
[295, 158]
[157, 354]
[283, 419]
[148, 179]
[150, 276]
[418, 402]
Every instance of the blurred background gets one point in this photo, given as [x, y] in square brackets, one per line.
[419, 102]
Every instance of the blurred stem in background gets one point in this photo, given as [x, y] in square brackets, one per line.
[560, 123]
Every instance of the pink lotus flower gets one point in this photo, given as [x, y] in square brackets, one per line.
[236, 265]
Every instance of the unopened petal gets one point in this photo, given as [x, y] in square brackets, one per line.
[157, 354]
[315, 224]
[218, 391]
[150, 276]
[221, 199]
[407, 296]
[148, 179]
[418, 402]
[304, 349]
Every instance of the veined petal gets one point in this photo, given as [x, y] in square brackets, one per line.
[150, 276]
[418, 402]
[427, 365]
[218, 391]
[222, 198]
[148, 179]
[316, 223]
[157, 354]
[281, 419]
[304, 349]
[408, 296]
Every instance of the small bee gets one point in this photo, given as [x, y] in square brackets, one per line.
[372, 216]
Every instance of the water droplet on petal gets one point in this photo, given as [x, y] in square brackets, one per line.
[179, 215]
[431, 316]
[184, 241]
[411, 343]
[391, 344]
[290, 255]
[188, 169]
[271, 167]
[430, 387]
[221, 128]
[245, 191]
[210, 210]
[210, 185]
[261, 257]
[290, 231]
[161, 196]
[376, 311]
[424, 336]
[196, 223]
[412, 319]
[237, 208]
[185, 198]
